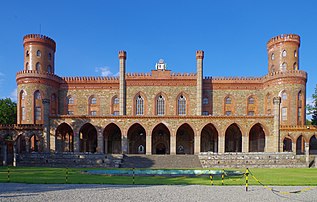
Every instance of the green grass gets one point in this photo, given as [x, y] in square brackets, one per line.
[40, 175]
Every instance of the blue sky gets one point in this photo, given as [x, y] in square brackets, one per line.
[89, 35]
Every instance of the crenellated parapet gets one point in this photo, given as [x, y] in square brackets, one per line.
[284, 38]
[98, 79]
[37, 77]
[38, 38]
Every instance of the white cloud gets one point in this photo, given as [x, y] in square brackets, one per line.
[105, 71]
[13, 95]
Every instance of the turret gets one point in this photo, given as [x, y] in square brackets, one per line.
[283, 52]
[122, 99]
[39, 51]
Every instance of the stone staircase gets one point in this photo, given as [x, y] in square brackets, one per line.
[252, 160]
[69, 160]
[160, 161]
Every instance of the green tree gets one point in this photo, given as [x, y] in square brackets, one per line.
[8, 111]
[312, 108]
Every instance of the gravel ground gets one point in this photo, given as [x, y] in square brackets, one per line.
[120, 193]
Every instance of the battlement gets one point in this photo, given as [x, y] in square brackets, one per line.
[39, 39]
[234, 78]
[98, 79]
[284, 38]
[122, 54]
[199, 54]
[289, 73]
[35, 73]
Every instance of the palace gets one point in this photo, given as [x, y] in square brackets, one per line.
[160, 112]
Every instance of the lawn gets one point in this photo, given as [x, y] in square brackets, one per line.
[268, 176]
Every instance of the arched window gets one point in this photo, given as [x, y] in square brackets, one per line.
[115, 106]
[22, 105]
[284, 106]
[37, 106]
[228, 100]
[272, 56]
[205, 101]
[49, 69]
[284, 95]
[182, 105]
[93, 100]
[295, 53]
[116, 100]
[284, 53]
[38, 53]
[27, 66]
[272, 68]
[284, 66]
[295, 66]
[70, 100]
[228, 106]
[251, 100]
[160, 105]
[139, 105]
[27, 53]
[299, 108]
[38, 66]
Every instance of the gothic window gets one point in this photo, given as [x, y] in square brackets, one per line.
[38, 53]
[37, 106]
[22, 105]
[23, 113]
[116, 100]
[160, 105]
[115, 106]
[284, 96]
[140, 149]
[37, 95]
[272, 56]
[205, 101]
[38, 66]
[272, 68]
[27, 53]
[27, 66]
[299, 107]
[181, 105]
[139, 105]
[284, 53]
[295, 53]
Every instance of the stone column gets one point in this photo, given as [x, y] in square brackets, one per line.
[100, 145]
[124, 143]
[76, 141]
[122, 85]
[307, 153]
[245, 143]
[197, 144]
[276, 127]
[221, 144]
[14, 155]
[173, 143]
[199, 85]
[294, 147]
[46, 124]
[148, 143]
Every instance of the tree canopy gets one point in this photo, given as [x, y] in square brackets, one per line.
[8, 111]
[312, 108]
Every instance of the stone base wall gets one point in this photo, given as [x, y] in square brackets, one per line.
[252, 160]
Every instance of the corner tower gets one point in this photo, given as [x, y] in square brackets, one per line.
[283, 52]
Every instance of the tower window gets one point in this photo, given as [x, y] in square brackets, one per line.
[205, 101]
[27, 66]
[27, 53]
[139, 105]
[38, 53]
[272, 68]
[284, 66]
[49, 56]
[49, 69]
[295, 66]
[93, 113]
[295, 53]
[272, 56]
[181, 105]
[284, 53]
[38, 66]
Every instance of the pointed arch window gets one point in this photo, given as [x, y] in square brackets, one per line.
[38, 53]
[284, 96]
[139, 105]
[38, 66]
[295, 66]
[160, 105]
[182, 105]
[284, 53]
[295, 53]
[22, 105]
[284, 66]
[272, 56]
[299, 108]
[37, 106]
[228, 100]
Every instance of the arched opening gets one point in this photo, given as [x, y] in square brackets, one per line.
[34, 143]
[233, 139]
[160, 140]
[185, 140]
[112, 139]
[313, 145]
[256, 139]
[300, 145]
[20, 144]
[136, 139]
[64, 138]
[287, 145]
[209, 139]
[88, 138]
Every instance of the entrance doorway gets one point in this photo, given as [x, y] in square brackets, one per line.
[161, 148]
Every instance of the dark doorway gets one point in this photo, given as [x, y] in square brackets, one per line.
[64, 138]
[136, 139]
[209, 139]
[313, 145]
[256, 139]
[112, 139]
[161, 149]
[160, 140]
[185, 140]
[287, 145]
[88, 138]
[300, 145]
[233, 139]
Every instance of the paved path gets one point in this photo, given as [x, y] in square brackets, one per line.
[121, 193]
